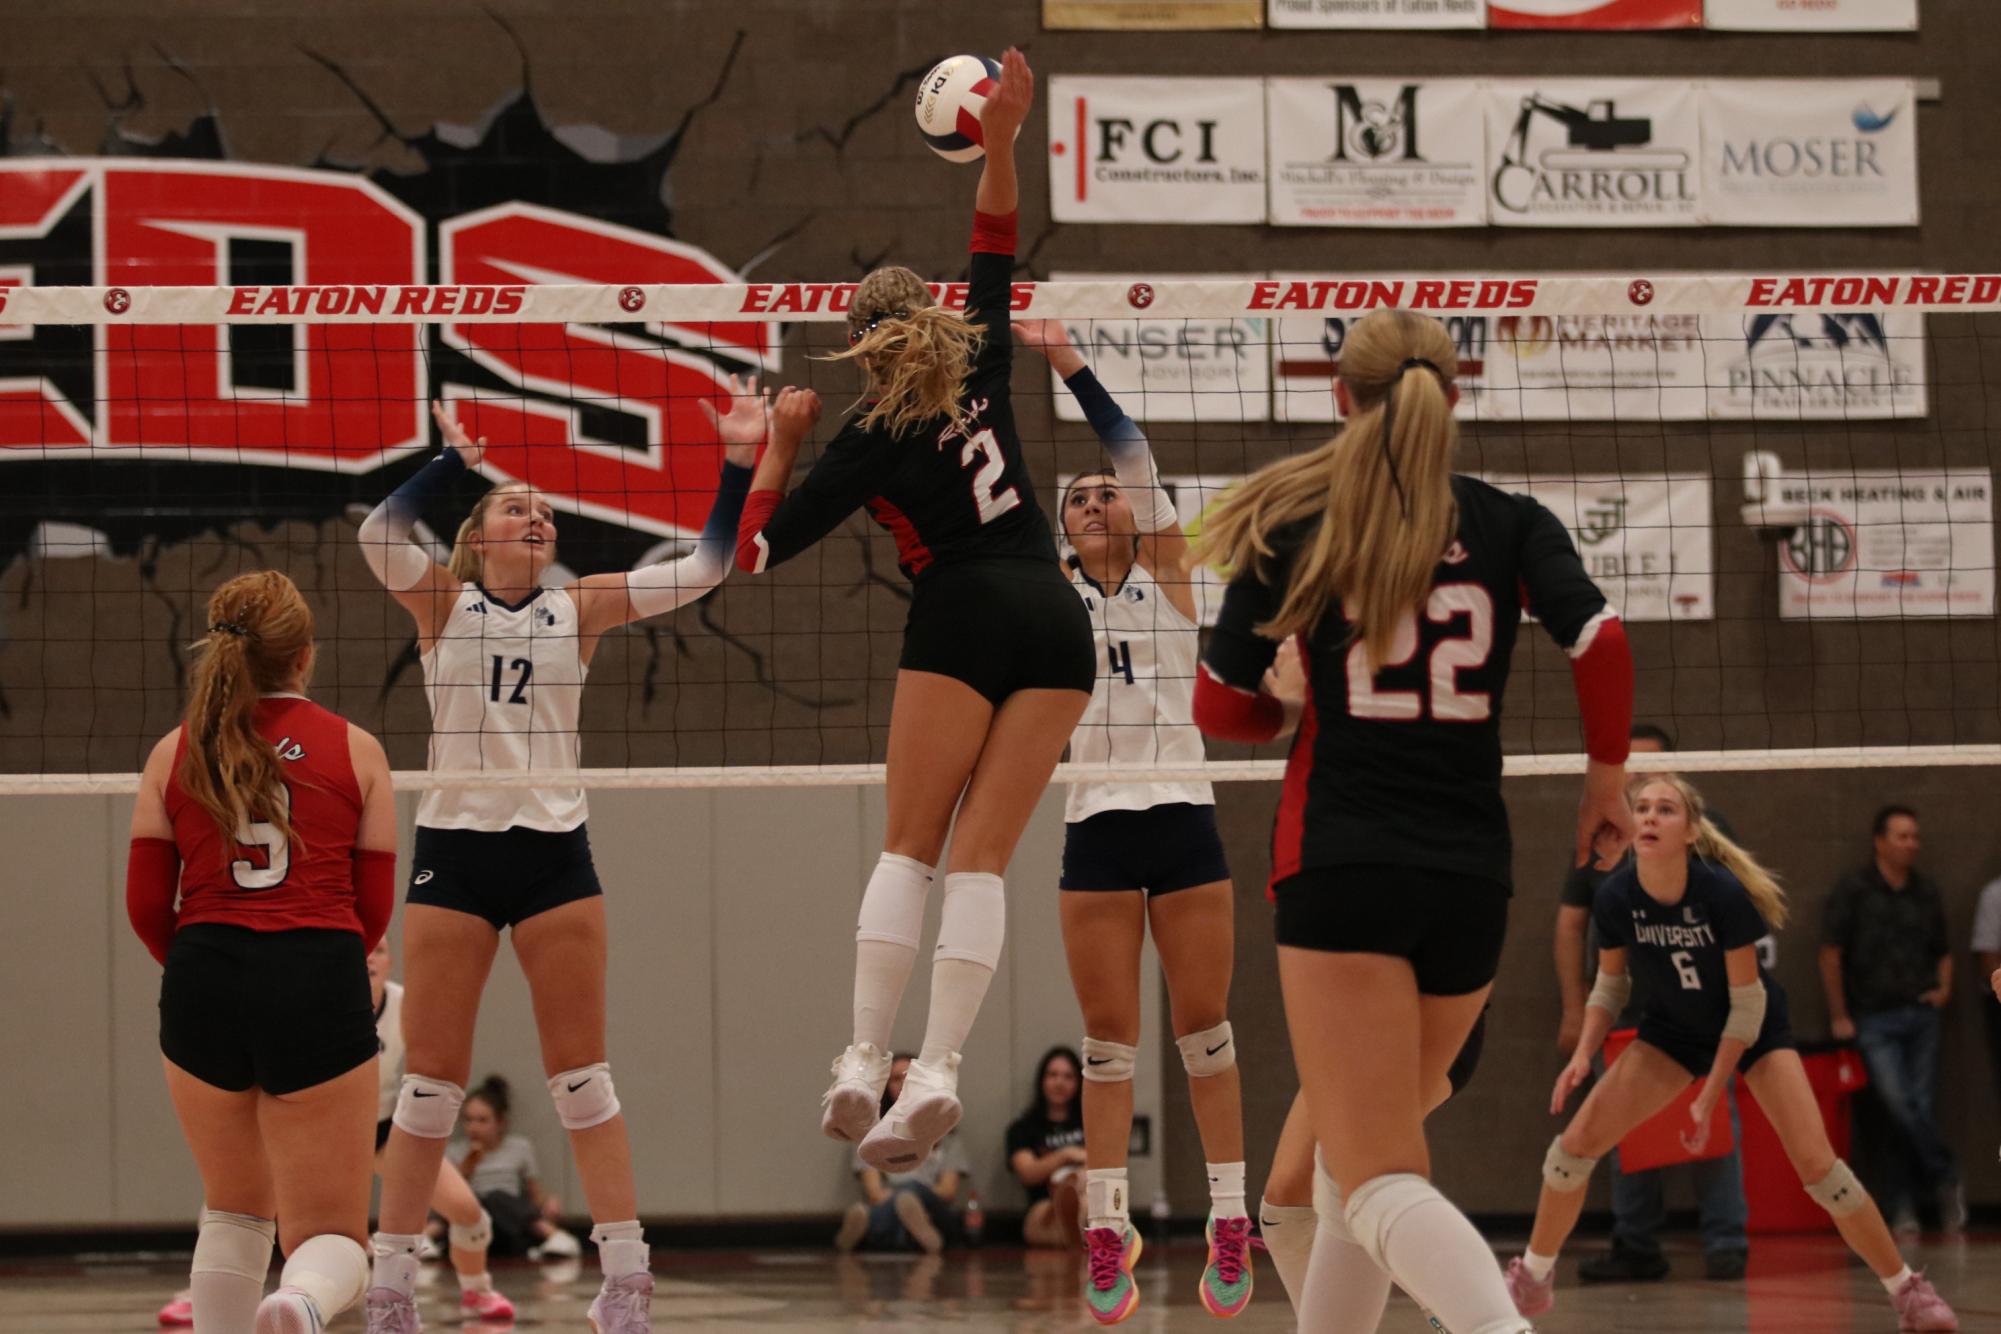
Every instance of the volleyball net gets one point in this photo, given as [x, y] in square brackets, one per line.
[1784, 483]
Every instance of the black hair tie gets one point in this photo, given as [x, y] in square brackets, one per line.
[1389, 423]
[230, 628]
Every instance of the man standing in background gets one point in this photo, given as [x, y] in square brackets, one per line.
[1987, 959]
[1887, 969]
[1639, 1203]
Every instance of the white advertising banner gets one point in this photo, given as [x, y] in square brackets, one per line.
[1156, 150]
[1812, 15]
[1646, 540]
[1888, 544]
[1176, 370]
[1594, 153]
[1376, 152]
[1594, 368]
[1828, 366]
[1377, 14]
[1810, 153]
[1306, 356]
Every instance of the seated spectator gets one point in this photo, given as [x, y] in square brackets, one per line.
[502, 1171]
[1045, 1151]
[904, 1210]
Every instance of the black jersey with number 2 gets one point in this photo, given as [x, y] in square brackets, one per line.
[1401, 766]
[943, 492]
[1674, 951]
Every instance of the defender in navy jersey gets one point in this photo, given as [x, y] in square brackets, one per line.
[1685, 916]
[1402, 585]
[997, 663]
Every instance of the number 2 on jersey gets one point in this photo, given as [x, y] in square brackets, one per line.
[1449, 657]
[986, 445]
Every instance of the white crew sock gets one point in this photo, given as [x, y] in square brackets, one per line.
[396, 1262]
[886, 934]
[1896, 1281]
[1344, 1291]
[971, 929]
[1431, 1250]
[331, 1271]
[1288, 1231]
[622, 1249]
[1226, 1190]
[1540, 1267]
[1105, 1199]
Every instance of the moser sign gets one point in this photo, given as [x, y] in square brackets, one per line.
[1882, 543]
[1594, 153]
[1376, 153]
[1156, 150]
[1378, 14]
[1810, 153]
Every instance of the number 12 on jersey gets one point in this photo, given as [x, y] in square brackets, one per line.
[524, 672]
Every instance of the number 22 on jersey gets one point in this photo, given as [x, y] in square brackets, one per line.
[984, 445]
[1441, 700]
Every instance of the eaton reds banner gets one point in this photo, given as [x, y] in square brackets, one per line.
[1595, 14]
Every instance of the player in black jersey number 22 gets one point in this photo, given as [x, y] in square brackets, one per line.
[997, 662]
[1390, 857]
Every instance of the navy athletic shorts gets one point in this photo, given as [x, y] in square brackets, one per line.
[1449, 925]
[1160, 849]
[1696, 1054]
[506, 876]
[273, 1010]
[1000, 625]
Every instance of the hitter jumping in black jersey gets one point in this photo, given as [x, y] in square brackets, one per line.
[997, 661]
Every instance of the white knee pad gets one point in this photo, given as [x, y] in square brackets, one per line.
[1563, 1171]
[893, 904]
[1108, 1062]
[237, 1244]
[1373, 1208]
[428, 1108]
[1210, 1052]
[1839, 1192]
[585, 1097]
[974, 922]
[472, 1237]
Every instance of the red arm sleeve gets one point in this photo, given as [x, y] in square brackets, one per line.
[374, 893]
[1229, 714]
[152, 877]
[993, 233]
[1601, 666]
[751, 550]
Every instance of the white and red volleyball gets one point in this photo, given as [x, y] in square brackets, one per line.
[949, 99]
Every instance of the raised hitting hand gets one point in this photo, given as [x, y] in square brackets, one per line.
[471, 451]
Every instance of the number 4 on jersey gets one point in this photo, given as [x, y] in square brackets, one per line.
[984, 445]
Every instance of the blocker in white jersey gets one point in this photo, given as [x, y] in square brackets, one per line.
[505, 681]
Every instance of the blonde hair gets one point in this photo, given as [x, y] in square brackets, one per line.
[1380, 490]
[916, 357]
[468, 563]
[258, 625]
[1713, 845]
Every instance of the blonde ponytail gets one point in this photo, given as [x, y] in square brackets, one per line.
[258, 626]
[1377, 497]
[916, 367]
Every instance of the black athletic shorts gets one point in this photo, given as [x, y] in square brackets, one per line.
[1697, 1054]
[506, 876]
[1450, 926]
[1001, 625]
[1160, 849]
[273, 1010]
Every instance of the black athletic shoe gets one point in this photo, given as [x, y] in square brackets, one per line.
[1619, 1265]
[1724, 1266]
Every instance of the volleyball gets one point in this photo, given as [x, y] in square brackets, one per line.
[949, 99]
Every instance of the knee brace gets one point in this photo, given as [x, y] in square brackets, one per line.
[428, 1108]
[1373, 1208]
[974, 921]
[237, 1244]
[1209, 1052]
[584, 1097]
[892, 909]
[1562, 1171]
[1839, 1192]
[1108, 1062]
[474, 1236]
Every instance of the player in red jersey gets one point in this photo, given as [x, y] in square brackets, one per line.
[273, 820]
[1391, 852]
[997, 660]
